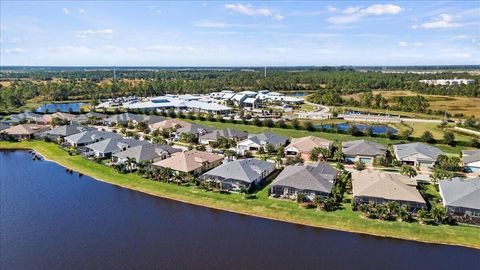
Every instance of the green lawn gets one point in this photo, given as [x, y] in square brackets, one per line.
[293, 133]
[345, 219]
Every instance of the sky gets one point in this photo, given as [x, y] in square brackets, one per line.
[230, 33]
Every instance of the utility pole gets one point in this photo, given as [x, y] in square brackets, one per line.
[114, 74]
[265, 72]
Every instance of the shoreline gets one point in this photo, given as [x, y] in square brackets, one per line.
[246, 213]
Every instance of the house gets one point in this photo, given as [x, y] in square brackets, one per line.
[376, 187]
[461, 198]
[362, 150]
[25, 116]
[94, 116]
[4, 126]
[89, 137]
[152, 119]
[227, 133]
[25, 131]
[471, 160]
[303, 146]
[239, 174]
[47, 119]
[169, 124]
[107, 147]
[195, 129]
[417, 154]
[192, 162]
[255, 141]
[64, 131]
[145, 152]
[122, 119]
[312, 180]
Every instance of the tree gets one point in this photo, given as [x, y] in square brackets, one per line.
[427, 137]
[301, 198]
[449, 138]
[268, 123]
[295, 124]
[281, 123]
[408, 171]
[270, 148]
[308, 126]
[129, 164]
[359, 165]
[338, 155]
[353, 130]
[474, 142]
[438, 214]
[440, 174]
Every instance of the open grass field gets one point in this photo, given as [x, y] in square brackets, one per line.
[262, 206]
[466, 105]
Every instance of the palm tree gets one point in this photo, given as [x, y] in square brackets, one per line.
[338, 155]
[408, 171]
[129, 163]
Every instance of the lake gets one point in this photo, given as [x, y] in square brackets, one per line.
[52, 219]
[377, 129]
[60, 107]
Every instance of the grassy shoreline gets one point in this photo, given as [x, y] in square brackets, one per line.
[263, 207]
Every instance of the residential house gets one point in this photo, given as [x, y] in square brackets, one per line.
[47, 119]
[89, 137]
[192, 162]
[461, 198]
[362, 150]
[417, 154]
[376, 187]
[239, 174]
[4, 126]
[169, 124]
[471, 160]
[110, 146]
[227, 133]
[312, 180]
[145, 152]
[25, 131]
[94, 116]
[64, 131]
[122, 119]
[195, 129]
[25, 116]
[152, 119]
[255, 141]
[303, 146]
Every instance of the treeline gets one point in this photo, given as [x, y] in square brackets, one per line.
[368, 100]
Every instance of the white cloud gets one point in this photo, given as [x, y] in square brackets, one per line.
[66, 11]
[106, 33]
[15, 50]
[278, 50]
[402, 44]
[17, 40]
[331, 9]
[354, 14]
[168, 48]
[252, 11]
[441, 21]
[210, 24]
[81, 10]
[158, 11]
[418, 44]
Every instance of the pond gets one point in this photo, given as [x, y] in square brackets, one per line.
[60, 107]
[377, 129]
[53, 219]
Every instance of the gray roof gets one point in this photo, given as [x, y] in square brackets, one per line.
[226, 133]
[470, 156]
[264, 138]
[147, 152]
[4, 125]
[195, 129]
[24, 116]
[460, 192]
[316, 177]
[85, 116]
[405, 150]
[246, 170]
[91, 136]
[112, 145]
[123, 118]
[67, 130]
[152, 119]
[363, 148]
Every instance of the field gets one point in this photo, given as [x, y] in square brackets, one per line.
[467, 105]
[262, 206]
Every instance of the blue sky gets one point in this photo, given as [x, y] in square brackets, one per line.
[230, 33]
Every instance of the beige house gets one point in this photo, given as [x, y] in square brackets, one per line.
[170, 124]
[48, 118]
[25, 131]
[380, 187]
[303, 146]
[193, 162]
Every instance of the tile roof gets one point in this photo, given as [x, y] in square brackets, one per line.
[364, 148]
[410, 149]
[306, 144]
[246, 170]
[316, 177]
[460, 192]
[187, 161]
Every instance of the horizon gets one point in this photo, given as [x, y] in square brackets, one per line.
[239, 34]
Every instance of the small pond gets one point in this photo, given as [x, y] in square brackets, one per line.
[60, 107]
[377, 129]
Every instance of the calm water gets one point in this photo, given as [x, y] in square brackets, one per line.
[61, 107]
[51, 219]
[377, 129]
